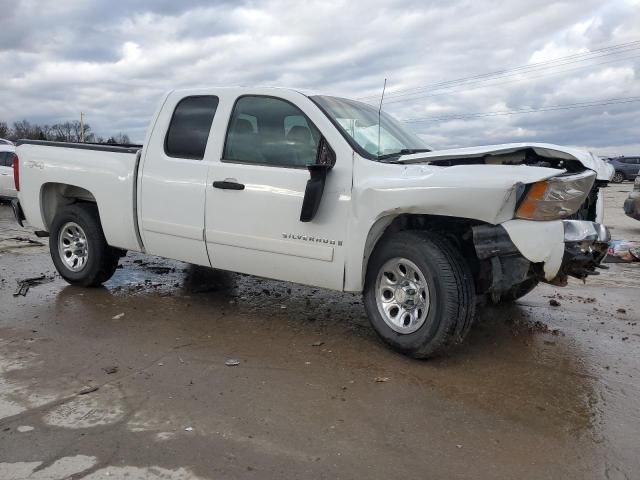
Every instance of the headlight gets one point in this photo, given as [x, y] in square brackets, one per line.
[556, 198]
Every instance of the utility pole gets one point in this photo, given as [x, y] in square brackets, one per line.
[81, 127]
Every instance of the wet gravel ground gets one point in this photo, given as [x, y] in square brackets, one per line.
[130, 380]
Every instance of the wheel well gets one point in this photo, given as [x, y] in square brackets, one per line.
[55, 196]
[457, 230]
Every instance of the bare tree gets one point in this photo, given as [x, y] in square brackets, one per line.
[59, 132]
[120, 138]
[46, 131]
[78, 129]
[64, 132]
[24, 129]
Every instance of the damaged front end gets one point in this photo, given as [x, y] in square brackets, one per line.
[544, 242]
[586, 245]
[579, 254]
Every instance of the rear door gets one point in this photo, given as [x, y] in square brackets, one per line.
[256, 187]
[174, 178]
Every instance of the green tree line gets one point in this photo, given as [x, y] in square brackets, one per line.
[58, 132]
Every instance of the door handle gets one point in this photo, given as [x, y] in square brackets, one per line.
[228, 184]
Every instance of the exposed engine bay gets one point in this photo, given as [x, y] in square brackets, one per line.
[522, 157]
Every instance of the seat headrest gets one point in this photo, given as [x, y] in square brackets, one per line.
[299, 134]
[243, 126]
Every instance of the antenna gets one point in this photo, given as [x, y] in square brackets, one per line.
[384, 87]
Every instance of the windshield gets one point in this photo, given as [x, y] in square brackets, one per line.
[359, 123]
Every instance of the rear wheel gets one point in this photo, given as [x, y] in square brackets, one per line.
[419, 294]
[618, 177]
[78, 247]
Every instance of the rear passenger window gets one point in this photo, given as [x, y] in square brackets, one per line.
[270, 131]
[6, 159]
[189, 128]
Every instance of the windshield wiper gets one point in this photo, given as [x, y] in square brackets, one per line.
[404, 151]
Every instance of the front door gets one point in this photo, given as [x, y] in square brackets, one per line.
[255, 193]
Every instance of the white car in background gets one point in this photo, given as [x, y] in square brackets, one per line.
[7, 154]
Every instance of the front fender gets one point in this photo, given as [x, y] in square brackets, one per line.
[539, 242]
[381, 192]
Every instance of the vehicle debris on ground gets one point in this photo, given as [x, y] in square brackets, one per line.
[25, 284]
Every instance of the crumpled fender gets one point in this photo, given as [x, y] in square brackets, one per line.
[479, 192]
[383, 191]
[539, 242]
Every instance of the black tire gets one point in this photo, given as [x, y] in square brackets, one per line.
[102, 260]
[518, 291]
[451, 291]
[618, 177]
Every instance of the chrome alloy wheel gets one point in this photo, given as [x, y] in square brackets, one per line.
[402, 295]
[73, 247]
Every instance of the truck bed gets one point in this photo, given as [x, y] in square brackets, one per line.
[54, 173]
[102, 147]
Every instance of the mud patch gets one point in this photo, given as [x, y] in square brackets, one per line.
[102, 407]
[16, 397]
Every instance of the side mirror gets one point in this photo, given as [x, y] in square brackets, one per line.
[325, 161]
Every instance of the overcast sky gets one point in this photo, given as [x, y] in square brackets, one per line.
[112, 59]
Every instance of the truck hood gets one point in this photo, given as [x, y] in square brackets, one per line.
[603, 170]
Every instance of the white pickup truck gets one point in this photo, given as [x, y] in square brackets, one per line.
[322, 191]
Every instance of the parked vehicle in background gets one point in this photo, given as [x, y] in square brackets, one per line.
[4, 141]
[327, 192]
[632, 204]
[7, 184]
[626, 168]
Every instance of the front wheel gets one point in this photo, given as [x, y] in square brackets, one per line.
[618, 177]
[78, 247]
[419, 294]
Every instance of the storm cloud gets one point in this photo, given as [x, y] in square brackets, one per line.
[112, 60]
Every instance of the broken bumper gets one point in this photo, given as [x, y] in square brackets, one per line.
[583, 231]
[550, 251]
[17, 211]
[586, 245]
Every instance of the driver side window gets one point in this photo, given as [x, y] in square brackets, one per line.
[270, 131]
